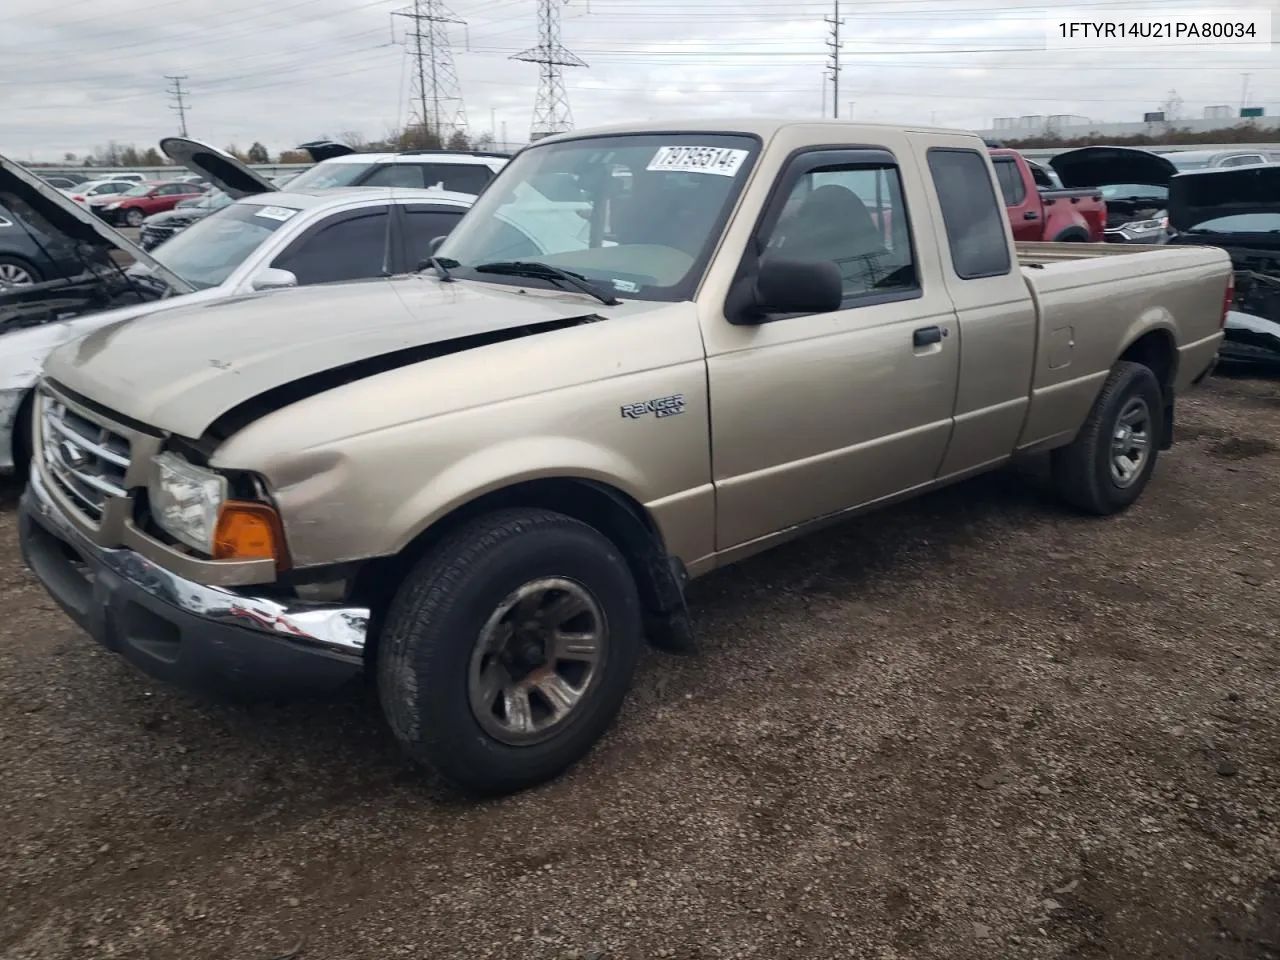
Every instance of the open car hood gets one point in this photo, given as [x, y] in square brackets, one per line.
[320, 150]
[1203, 195]
[1103, 166]
[217, 166]
[49, 208]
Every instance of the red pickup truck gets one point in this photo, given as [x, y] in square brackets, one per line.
[1038, 209]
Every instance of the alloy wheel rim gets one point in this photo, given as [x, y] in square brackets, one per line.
[1131, 442]
[536, 660]
[12, 275]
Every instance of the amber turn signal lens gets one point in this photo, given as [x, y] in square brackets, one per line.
[249, 531]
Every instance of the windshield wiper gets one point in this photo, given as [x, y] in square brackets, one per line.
[441, 265]
[544, 271]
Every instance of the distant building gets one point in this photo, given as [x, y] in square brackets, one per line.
[1069, 125]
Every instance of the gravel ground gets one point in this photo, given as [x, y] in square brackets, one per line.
[973, 726]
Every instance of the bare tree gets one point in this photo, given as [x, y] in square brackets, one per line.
[353, 139]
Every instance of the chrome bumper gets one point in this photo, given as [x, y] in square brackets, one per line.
[338, 631]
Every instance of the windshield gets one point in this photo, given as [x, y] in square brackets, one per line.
[1133, 191]
[329, 174]
[635, 214]
[141, 190]
[1186, 163]
[1240, 223]
[207, 252]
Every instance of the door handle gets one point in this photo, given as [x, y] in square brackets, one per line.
[1030, 215]
[927, 335]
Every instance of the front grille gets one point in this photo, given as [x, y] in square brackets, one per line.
[154, 236]
[83, 459]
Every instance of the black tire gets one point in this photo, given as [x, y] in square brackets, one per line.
[23, 265]
[434, 624]
[22, 446]
[1082, 470]
[133, 217]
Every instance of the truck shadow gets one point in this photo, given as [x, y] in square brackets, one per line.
[335, 748]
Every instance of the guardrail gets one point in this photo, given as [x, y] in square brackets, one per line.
[156, 173]
[1271, 149]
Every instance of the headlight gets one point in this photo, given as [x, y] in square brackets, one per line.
[113, 206]
[1143, 226]
[185, 500]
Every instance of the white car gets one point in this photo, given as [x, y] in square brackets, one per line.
[268, 238]
[260, 242]
[99, 189]
[337, 165]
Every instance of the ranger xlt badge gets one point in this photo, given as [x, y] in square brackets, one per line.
[660, 407]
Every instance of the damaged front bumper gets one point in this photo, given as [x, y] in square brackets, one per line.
[189, 634]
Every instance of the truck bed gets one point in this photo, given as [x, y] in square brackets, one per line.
[1041, 254]
[1092, 297]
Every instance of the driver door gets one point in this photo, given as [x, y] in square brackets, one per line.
[814, 414]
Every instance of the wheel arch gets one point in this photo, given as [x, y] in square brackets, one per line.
[1157, 350]
[21, 441]
[1072, 234]
[617, 515]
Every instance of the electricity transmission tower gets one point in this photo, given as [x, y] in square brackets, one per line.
[833, 68]
[179, 105]
[437, 99]
[551, 112]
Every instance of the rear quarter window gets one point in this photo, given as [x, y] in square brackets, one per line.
[973, 218]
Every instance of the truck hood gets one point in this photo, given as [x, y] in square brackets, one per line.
[59, 215]
[182, 369]
[1103, 166]
[217, 166]
[1203, 195]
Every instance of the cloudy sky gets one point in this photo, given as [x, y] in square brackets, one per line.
[75, 74]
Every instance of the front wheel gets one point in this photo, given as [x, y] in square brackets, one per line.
[508, 651]
[133, 217]
[1108, 465]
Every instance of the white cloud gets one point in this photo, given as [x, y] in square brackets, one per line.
[284, 71]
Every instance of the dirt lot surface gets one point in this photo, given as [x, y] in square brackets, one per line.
[970, 727]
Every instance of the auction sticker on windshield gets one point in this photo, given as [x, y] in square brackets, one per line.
[721, 161]
[276, 213]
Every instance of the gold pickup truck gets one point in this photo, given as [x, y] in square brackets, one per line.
[488, 483]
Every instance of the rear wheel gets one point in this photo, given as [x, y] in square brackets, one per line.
[1108, 465]
[508, 651]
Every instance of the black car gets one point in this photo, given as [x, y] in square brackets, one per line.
[1238, 209]
[55, 263]
[30, 255]
[159, 227]
[1134, 184]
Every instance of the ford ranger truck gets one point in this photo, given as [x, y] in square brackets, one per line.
[488, 484]
[1039, 211]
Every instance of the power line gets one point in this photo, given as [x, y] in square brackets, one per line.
[435, 77]
[551, 112]
[179, 105]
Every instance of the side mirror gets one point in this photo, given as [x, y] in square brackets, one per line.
[434, 245]
[273, 278]
[785, 285]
